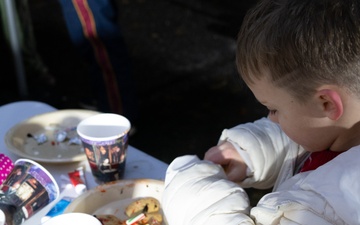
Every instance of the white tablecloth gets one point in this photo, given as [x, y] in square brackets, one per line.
[138, 163]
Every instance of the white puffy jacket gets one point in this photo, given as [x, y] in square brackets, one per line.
[198, 193]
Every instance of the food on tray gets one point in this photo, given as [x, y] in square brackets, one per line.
[147, 205]
[147, 219]
[143, 211]
[109, 220]
[141, 219]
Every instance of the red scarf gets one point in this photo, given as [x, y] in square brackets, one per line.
[317, 159]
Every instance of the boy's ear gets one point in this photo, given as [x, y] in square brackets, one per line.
[331, 102]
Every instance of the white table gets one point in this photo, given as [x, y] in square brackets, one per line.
[138, 163]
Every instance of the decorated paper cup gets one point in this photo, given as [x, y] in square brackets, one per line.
[6, 165]
[105, 141]
[29, 187]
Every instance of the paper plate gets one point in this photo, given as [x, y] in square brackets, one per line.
[113, 198]
[20, 138]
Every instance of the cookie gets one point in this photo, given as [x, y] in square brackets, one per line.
[143, 205]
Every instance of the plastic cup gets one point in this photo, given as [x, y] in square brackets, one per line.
[105, 140]
[27, 189]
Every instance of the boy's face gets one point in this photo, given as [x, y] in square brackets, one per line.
[302, 122]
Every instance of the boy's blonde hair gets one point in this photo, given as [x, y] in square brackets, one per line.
[302, 44]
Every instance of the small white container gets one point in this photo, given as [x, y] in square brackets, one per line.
[73, 219]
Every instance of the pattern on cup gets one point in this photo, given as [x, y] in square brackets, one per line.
[6, 165]
[29, 187]
[107, 158]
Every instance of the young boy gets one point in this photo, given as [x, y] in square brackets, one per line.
[301, 59]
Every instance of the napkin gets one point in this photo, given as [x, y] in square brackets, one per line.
[197, 192]
[6, 165]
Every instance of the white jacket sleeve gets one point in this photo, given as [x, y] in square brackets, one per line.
[265, 145]
[324, 196]
[197, 192]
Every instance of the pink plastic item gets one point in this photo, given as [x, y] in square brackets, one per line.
[6, 165]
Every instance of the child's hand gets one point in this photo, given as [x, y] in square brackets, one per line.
[226, 155]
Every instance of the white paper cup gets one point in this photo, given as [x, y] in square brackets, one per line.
[73, 219]
[105, 140]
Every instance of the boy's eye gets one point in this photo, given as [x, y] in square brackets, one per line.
[272, 111]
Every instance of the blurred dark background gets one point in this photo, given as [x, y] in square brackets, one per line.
[182, 54]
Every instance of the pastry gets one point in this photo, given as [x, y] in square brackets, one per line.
[143, 205]
[143, 211]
